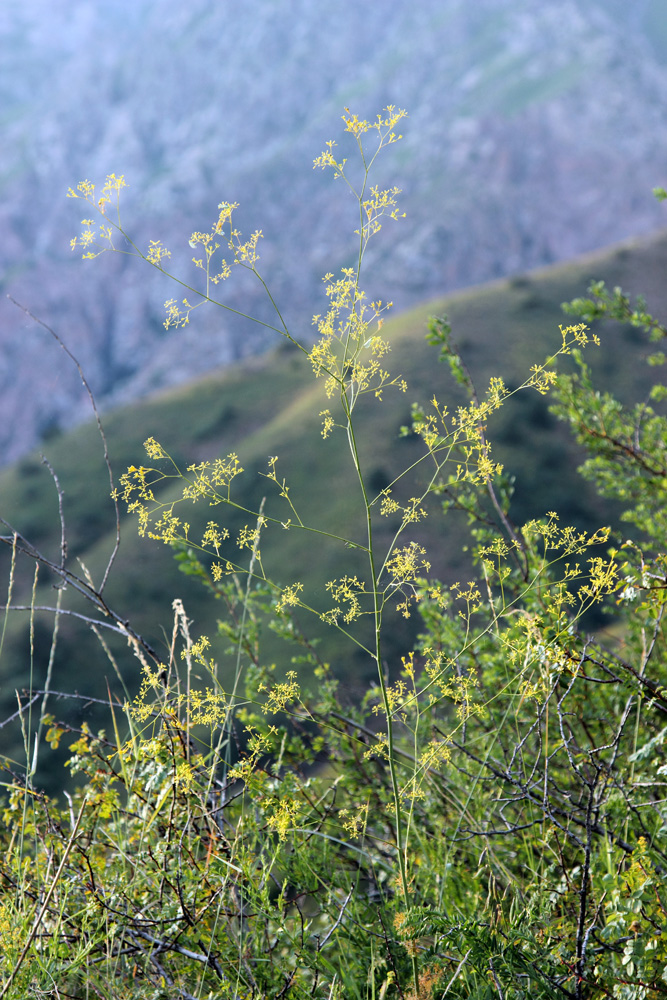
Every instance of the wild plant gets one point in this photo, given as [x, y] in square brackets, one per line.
[470, 827]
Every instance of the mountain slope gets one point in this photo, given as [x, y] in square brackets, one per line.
[536, 132]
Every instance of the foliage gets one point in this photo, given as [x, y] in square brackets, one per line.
[487, 820]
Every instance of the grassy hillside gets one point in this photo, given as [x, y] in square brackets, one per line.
[269, 406]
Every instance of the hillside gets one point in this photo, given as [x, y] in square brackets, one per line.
[268, 406]
[517, 110]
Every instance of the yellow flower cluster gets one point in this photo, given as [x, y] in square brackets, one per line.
[94, 243]
[284, 818]
[404, 567]
[345, 592]
[210, 481]
[568, 540]
[346, 353]
[283, 694]
[289, 597]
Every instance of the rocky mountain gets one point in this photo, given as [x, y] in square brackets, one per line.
[535, 132]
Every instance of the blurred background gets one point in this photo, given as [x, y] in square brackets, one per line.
[536, 132]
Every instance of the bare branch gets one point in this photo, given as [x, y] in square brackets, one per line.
[100, 428]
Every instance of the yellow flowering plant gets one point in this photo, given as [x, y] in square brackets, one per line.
[484, 819]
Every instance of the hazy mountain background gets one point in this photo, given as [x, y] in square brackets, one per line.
[536, 132]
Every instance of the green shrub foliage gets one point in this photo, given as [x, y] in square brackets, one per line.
[487, 819]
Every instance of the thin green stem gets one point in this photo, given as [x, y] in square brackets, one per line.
[401, 843]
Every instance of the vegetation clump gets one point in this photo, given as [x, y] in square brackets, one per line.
[485, 820]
